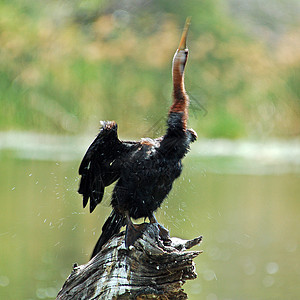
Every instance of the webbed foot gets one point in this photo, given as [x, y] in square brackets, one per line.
[133, 231]
[163, 232]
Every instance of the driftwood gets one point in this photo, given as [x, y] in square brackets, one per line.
[149, 269]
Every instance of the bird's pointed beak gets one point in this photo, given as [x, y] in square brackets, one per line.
[182, 44]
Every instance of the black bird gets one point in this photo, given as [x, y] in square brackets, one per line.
[144, 170]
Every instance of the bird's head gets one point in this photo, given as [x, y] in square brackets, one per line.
[181, 54]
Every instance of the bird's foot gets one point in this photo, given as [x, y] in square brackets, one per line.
[133, 233]
[163, 232]
[164, 235]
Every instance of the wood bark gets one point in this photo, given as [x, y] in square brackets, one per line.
[150, 269]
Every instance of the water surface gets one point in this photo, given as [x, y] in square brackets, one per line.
[246, 209]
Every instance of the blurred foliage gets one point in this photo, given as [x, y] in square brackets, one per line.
[65, 65]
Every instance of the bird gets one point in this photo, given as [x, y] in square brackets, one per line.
[144, 171]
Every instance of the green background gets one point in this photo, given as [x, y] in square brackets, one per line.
[65, 65]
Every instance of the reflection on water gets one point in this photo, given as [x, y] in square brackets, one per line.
[237, 157]
[249, 221]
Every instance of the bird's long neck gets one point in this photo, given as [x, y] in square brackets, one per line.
[180, 97]
[174, 142]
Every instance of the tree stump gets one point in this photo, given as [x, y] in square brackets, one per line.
[150, 269]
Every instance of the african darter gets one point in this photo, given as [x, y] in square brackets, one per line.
[144, 170]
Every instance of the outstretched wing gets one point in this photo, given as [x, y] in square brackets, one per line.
[101, 164]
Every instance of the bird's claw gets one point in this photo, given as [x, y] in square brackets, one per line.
[133, 233]
[164, 235]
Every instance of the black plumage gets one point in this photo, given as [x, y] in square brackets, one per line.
[144, 170]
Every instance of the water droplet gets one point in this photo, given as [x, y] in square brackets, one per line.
[211, 297]
[41, 293]
[268, 281]
[209, 275]
[272, 268]
[4, 281]
[249, 267]
[51, 292]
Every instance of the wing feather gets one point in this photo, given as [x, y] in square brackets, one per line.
[100, 165]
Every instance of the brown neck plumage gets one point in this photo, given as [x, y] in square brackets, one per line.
[180, 97]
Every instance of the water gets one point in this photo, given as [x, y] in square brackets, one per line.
[246, 207]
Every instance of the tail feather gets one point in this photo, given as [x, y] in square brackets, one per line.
[111, 227]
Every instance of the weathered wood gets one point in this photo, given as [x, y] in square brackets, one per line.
[148, 270]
